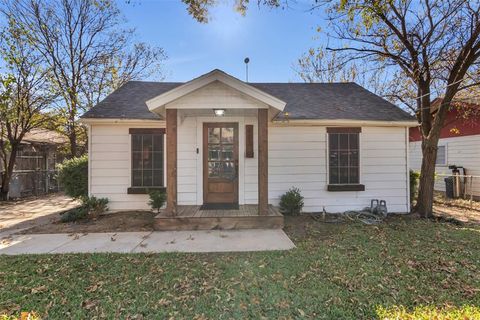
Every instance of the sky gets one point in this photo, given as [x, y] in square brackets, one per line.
[273, 39]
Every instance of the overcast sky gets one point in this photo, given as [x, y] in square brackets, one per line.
[273, 39]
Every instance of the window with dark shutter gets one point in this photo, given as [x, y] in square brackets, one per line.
[344, 159]
[147, 159]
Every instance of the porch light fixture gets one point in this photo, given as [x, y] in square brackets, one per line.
[219, 112]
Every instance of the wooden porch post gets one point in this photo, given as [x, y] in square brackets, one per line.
[171, 162]
[262, 161]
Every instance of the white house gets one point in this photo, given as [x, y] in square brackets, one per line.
[459, 145]
[219, 141]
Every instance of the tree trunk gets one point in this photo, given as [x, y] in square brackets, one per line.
[7, 174]
[427, 178]
[72, 137]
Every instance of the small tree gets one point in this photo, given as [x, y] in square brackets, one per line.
[291, 203]
[157, 199]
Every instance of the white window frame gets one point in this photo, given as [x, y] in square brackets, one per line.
[445, 146]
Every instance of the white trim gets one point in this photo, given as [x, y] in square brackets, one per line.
[89, 155]
[241, 151]
[123, 121]
[158, 103]
[344, 122]
[407, 166]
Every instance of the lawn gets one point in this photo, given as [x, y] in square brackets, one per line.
[406, 268]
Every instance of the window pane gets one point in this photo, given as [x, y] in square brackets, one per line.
[333, 158]
[158, 142]
[354, 158]
[343, 175]
[147, 142]
[343, 141]
[353, 141]
[136, 160]
[214, 152]
[343, 158]
[157, 178]
[158, 160]
[214, 169]
[227, 135]
[147, 178]
[147, 159]
[333, 141]
[353, 172]
[136, 142]
[441, 155]
[227, 152]
[213, 135]
[333, 175]
[228, 170]
[137, 178]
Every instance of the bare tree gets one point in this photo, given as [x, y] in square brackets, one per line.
[24, 96]
[433, 46]
[87, 49]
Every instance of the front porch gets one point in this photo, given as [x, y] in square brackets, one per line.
[193, 218]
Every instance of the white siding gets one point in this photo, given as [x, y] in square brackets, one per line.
[297, 157]
[461, 151]
[110, 165]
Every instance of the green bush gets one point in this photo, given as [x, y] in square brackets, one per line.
[157, 199]
[414, 176]
[75, 214]
[91, 207]
[291, 203]
[73, 177]
[95, 206]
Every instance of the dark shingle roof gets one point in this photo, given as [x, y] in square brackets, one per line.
[304, 101]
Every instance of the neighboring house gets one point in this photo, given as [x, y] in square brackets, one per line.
[459, 145]
[34, 172]
[219, 140]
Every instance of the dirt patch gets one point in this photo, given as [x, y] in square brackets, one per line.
[460, 210]
[111, 222]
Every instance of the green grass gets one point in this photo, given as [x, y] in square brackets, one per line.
[406, 269]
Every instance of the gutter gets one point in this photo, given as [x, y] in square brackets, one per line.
[344, 122]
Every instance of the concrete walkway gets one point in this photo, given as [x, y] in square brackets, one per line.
[133, 242]
[16, 216]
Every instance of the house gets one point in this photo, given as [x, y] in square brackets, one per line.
[459, 146]
[34, 172]
[219, 142]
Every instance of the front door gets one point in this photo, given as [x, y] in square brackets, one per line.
[220, 163]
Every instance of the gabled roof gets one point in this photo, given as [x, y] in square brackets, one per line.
[304, 101]
[156, 104]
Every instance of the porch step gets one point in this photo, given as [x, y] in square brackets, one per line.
[191, 218]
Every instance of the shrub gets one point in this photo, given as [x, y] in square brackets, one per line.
[74, 214]
[95, 206]
[91, 208]
[73, 177]
[414, 176]
[157, 199]
[291, 203]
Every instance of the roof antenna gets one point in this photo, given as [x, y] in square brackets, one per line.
[247, 60]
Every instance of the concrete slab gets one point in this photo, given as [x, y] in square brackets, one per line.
[121, 242]
[216, 241]
[160, 241]
[33, 243]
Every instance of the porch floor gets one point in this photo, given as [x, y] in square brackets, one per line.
[246, 217]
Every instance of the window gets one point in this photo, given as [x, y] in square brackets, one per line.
[344, 159]
[441, 156]
[147, 159]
